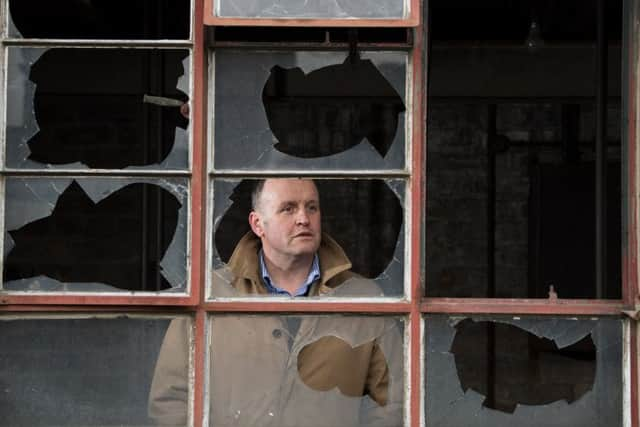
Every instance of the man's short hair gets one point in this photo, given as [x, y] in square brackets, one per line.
[256, 193]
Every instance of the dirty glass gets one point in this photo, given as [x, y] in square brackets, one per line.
[557, 372]
[511, 151]
[309, 110]
[337, 9]
[95, 234]
[82, 371]
[364, 217]
[100, 19]
[305, 371]
[97, 108]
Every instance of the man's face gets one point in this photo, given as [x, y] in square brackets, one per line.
[287, 218]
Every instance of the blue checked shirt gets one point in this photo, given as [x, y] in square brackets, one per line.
[314, 274]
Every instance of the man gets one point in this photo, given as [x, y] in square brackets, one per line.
[288, 371]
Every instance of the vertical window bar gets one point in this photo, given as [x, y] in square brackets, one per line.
[601, 153]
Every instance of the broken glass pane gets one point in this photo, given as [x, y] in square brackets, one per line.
[523, 371]
[81, 371]
[341, 9]
[511, 152]
[363, 216]
[95, 234]
[309, 110]
[100, 19]
[316, 371]
[97, 108]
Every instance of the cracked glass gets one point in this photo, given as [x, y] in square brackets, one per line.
[309, 110]
[97, 108]
[291, 371]
[362, 217]
[80, 371]
[83, 234]
[336, 9]
[100, 19]
[484, 371]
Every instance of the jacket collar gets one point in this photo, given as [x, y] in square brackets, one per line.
[244, 263]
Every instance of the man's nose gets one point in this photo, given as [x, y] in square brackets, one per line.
[302, 217]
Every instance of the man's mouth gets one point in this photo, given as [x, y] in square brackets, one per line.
[304, 234]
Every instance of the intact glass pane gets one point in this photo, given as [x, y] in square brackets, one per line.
[512, 151]
[84, 371]
[97, 108]
[95, 234]
[320, 371]
[496, 372]
[337, 9]
[100, 19]
[309, 110]
[362, 217]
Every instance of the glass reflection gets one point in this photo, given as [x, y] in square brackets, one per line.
[77, 372]
[523, 371]
[341, 9]
[290, 371]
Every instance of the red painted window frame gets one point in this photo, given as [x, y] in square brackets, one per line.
[413, 20]
[416, 306]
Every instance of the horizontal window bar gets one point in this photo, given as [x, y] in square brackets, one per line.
[313, 173]
[522, 306]
[97, 43]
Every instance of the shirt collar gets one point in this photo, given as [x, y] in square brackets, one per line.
[272, 288]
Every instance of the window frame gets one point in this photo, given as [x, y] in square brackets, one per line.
[139, 298]
[415, 305]
[412, 20]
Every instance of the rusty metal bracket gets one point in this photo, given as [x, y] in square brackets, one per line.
[635, 312]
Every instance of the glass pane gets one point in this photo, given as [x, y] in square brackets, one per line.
[80, 371]
[320, 371]
[340, 9]
[523, 371]
[97, 108]
[512, 151]
[362, 217]
[95, 234]
[100, 19]
[309, 110]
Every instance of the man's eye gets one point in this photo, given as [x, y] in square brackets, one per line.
[312, 208]
[287, 209]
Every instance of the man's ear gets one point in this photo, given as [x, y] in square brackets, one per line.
[256, 223]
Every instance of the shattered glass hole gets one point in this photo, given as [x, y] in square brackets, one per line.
[351, 209]
[510, 366]
[331, 109]
[99, 108]
[119, 241]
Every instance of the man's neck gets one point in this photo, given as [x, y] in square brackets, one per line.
[290, 272]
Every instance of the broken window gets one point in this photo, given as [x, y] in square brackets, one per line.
[97, 108]
[341, 9]
[100, 19]
[524, 160]
[305, 370]
[523, 371]
[309, 110]
[79, 371]
[95, 234]
[364, 216]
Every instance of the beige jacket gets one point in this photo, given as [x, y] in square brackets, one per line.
[334, 371]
